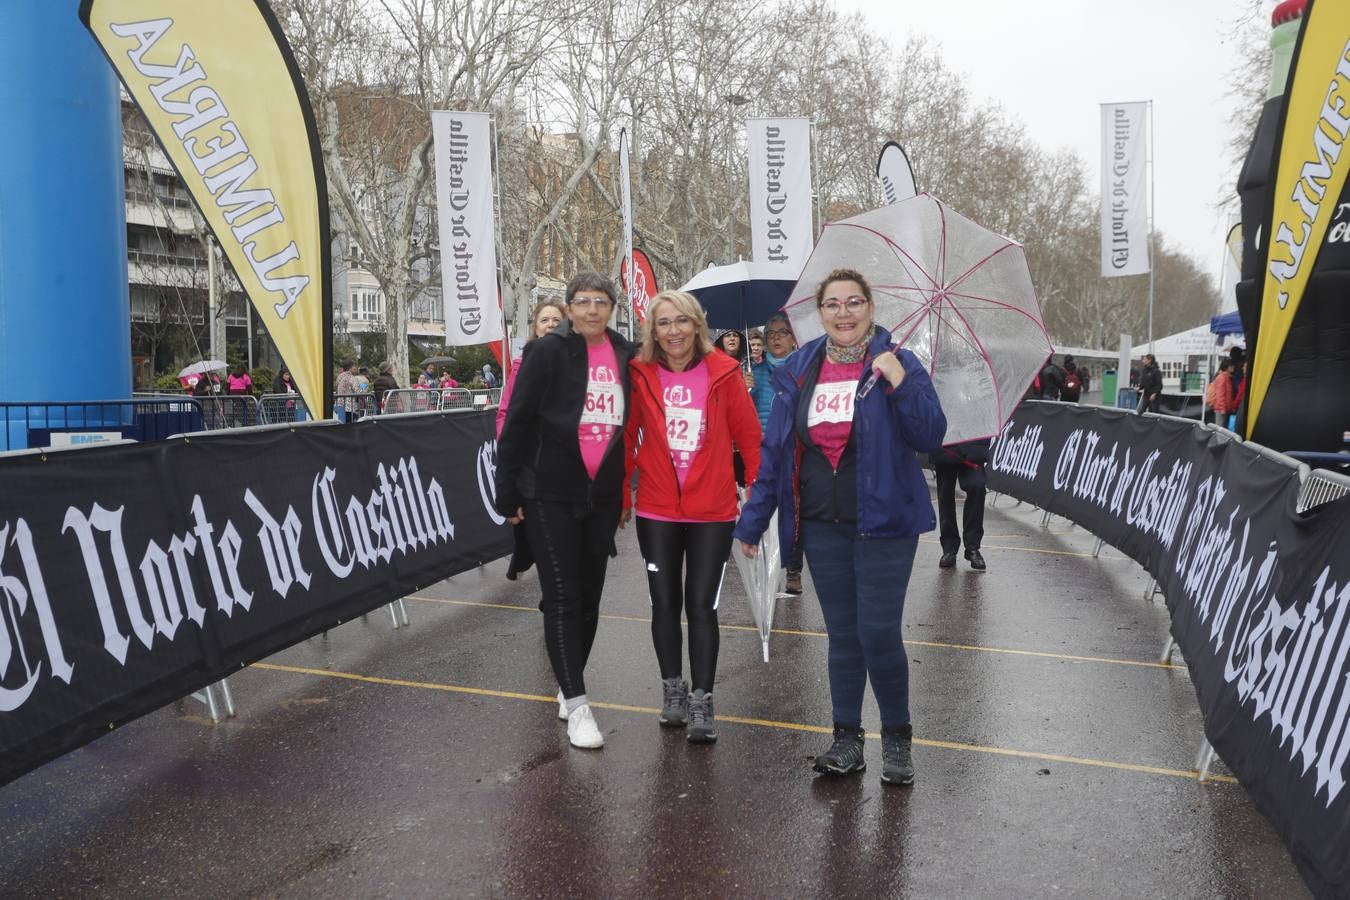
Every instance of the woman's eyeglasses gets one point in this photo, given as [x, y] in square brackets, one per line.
[677, 322]
[590, 302]
[851, 304]
[777, 332]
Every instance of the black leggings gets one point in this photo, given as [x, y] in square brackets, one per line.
[571, 546]
[698, 550]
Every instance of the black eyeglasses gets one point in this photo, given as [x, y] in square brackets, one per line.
[778, 332]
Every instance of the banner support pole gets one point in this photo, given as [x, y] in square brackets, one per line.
[815, 181]
[1152, 244]
[497, 236]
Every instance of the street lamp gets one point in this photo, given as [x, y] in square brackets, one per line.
[732, 101]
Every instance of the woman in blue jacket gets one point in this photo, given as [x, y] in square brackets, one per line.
[845, 477]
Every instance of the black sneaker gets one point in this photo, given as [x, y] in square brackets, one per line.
[702, 726]
[674, 702]
[845, 755]
[948, 561]
[897, 766]
[976, 560]
[793, 582]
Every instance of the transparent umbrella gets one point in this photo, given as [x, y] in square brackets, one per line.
[762, 576]
[956, 294]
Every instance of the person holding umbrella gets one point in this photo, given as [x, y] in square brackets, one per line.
[690, 406]
[844, 475]
[779, 345]
[560, 470]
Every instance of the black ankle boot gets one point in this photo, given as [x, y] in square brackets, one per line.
[845, 755]
[897, 766]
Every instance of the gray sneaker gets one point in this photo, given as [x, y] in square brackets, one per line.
[702, 727]
[674, 702]
[897, 765]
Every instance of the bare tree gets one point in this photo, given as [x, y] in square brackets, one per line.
[376, 71]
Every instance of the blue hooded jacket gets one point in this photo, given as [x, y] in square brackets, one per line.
[890, 427]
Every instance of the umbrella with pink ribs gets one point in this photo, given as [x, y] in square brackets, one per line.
[954, 293]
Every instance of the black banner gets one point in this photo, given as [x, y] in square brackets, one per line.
[1259, 595]
[133, 575]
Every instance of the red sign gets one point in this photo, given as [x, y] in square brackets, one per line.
[644, 288]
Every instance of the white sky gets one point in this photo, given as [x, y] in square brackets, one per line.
[1051, 64]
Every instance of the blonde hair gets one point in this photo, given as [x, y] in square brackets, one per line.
[685, 304]
[534, 316]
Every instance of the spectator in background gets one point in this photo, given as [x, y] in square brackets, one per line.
[1219, 395]
[362, 380]
[284, 384]
[779, 345]
[1052, 380]
[1072, 388]
[1239, 396]
[548, 315]
[447, 380]
[489, 380]
[343, 387]
[732, 343]
[756, 341]
[962, 463]
[384, 383]
[1086, 377]
[239, 382]
[1150, 385]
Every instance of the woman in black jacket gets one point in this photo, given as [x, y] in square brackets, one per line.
[560, 469]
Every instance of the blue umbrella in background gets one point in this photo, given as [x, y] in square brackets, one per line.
[741, 295]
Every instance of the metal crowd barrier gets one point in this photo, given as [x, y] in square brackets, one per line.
[456, 398]
[407, 400]
[229, 411]
[351, 407]
[67, 423]
[276, 408]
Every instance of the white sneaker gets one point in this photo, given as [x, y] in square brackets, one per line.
[562, 706]
[582, 730]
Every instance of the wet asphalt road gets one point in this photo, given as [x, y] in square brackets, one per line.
[1052, 756]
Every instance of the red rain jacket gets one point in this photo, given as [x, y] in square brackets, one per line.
[709, 493]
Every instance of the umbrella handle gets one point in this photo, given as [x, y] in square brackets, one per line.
[870, 383]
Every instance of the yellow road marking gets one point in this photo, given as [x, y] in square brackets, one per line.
[743, 720]
[909, 643]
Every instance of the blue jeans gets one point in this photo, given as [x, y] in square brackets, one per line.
[861, 585]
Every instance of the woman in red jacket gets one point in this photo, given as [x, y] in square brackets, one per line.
[689, 407]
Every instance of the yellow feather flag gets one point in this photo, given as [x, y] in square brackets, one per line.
[220, 89]
[1310, 170]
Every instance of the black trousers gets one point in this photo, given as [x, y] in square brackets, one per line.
[571, 545]
[972, 519]
[685, 563]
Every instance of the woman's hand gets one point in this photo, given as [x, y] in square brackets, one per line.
[750, 550]
[624, 517]
[749, 381]
[518, 517]
[889, 367]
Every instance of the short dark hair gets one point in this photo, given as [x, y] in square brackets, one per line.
[590, 281]
[843, 275]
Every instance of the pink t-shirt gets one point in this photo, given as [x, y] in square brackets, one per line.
[602, 413]
[686, 401]
[829, 418]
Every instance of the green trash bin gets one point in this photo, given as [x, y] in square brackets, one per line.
[1108, 387]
